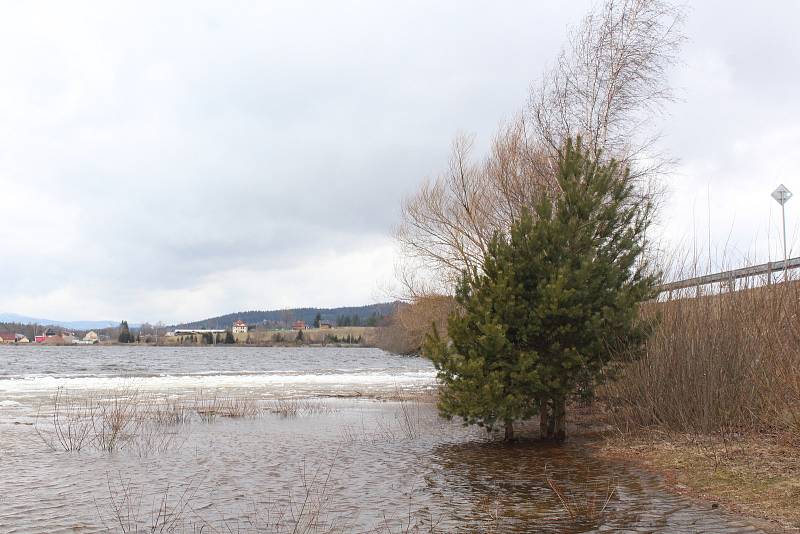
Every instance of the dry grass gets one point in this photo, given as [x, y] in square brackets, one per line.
[172, 412]
[232, 406]
[406, 424]
[296, 407]
[757, 475]
[714, 404]
[126, 419]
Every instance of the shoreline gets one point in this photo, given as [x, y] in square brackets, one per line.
[752, 476]
[737, 478]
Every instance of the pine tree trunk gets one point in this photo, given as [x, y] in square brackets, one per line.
[509, 436]
[560, 420]
[544, 422]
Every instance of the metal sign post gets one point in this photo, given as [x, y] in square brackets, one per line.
[782, 196]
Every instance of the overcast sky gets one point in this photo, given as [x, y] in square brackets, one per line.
[178, 160]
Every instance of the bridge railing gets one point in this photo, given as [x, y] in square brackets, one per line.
[730, 277]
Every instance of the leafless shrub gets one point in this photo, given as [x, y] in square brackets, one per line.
[106, 421]
[410, 323]
[153, 437]
[168, 513]
[71, 422]
[116, 420]
[728, 361]
[409, 419]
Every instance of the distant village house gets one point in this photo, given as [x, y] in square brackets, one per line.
[325, 325]
[299, 325]
[240, 327]
[7, 338]
[48, 334]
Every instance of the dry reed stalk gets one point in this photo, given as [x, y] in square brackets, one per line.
[240, 406]
[726, 362]
[295, 407]
[171, 412]
[234, 406]
[587, 507]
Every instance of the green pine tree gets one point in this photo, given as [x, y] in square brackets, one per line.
[124, 333]
[555, 305]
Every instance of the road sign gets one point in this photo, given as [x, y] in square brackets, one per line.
[781, 194]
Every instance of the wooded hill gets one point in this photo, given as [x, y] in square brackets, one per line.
[370, 315]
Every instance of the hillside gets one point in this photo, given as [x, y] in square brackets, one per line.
[16, 319]
[286, 317]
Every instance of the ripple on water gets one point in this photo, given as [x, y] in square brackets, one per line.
[238, 472]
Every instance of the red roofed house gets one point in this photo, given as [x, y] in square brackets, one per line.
[299, 325]
[6, 338]
[49, 333]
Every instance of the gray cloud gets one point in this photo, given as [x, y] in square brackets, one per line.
[177, 161]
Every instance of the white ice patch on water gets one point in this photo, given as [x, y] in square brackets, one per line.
[8, 403]
[333, 382]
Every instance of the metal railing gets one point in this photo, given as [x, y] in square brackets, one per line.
[730, 277]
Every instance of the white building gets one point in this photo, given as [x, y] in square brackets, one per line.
[239, 327]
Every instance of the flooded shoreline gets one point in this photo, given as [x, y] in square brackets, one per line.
[310, 462]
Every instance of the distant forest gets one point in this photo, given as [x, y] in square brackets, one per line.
[371, 315]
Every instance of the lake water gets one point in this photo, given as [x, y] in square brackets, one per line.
[234, 439]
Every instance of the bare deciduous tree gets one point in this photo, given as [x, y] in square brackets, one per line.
[410, 324]
[607, 85]
[610, 82]
[447, 225]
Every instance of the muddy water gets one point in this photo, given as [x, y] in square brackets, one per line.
[336, 465]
